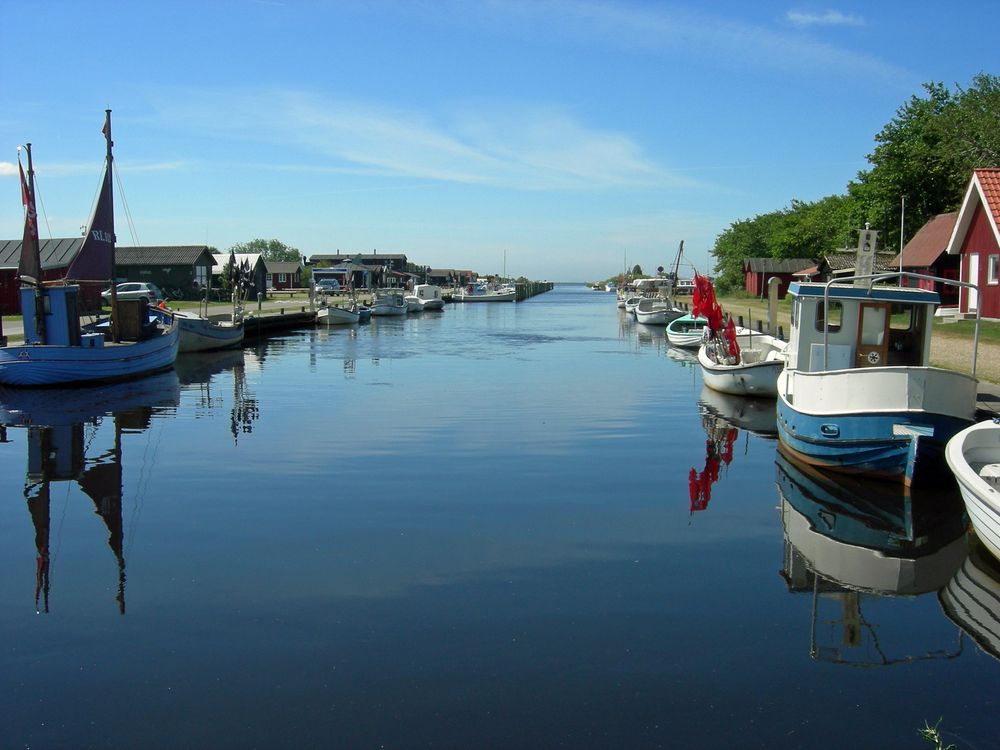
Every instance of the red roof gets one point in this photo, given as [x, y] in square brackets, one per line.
[926, 245]
[989, 184]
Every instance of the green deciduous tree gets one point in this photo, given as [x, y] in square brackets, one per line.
[926, 153]
[274, 250]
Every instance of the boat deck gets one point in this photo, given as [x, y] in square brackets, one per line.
[987, 400]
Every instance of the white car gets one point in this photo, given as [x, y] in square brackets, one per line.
[327, 286]
[136, 290]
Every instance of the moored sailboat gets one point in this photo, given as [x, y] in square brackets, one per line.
[56, 350]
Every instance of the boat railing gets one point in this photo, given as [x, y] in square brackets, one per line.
[875, 278]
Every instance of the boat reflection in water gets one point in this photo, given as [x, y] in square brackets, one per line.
[653, 337]
[683, 357]
[847, 539]
[62, 425]
[971, 599]
[197, 372]
[756, 415]
[723, 416]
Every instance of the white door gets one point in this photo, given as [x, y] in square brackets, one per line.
[973, 279]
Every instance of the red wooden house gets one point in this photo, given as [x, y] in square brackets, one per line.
[976, 240]
[757, 271]
[926, 254]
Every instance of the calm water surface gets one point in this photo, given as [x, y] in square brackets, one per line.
[498, 526]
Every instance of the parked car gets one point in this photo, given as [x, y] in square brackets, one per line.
[136, 290]
[327, 286]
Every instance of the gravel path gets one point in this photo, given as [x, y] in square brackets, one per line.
[955, 353]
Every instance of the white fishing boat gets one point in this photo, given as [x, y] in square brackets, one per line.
[974, 458]
[736, 360]
[687, 331]
[632, 302]
[751, 371]
[202, 334]
[337, 316]
[482, 292]
[655, 311]
[857, 392]
[56, 350]
[389, 302]
[425, 297]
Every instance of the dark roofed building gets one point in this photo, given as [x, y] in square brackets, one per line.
[393, 261]
[179, 270]
[447, 277]
[927, 253]
[757, 271]
[841, 263]
[56, 256]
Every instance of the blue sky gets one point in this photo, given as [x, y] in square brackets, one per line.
[564, 136]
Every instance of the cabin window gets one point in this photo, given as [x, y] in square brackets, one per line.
[835, 318]
[993, 269]
[902, 317]
[282, 278]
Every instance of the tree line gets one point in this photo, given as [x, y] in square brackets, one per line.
[926, 154]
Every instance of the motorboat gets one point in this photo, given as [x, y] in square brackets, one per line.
[973, 456]
[751, 371]
[482, 292]
[389, 302]
[656, 311]
[687, 331]
[857, 392]
[733, 359]
[425, 297]
[201, 334]
[337, 316]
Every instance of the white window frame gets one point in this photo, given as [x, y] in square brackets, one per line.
[993, 269]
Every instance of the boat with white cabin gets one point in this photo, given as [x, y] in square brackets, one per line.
[389, 302]
[425, 297]
[857, 392]
[656, 311]
[483, 292]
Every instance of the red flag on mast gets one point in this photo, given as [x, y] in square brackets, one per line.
[29, 265]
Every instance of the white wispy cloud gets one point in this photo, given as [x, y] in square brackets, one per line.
[827, 18]
[669, 30]
[530, 148]
[7, 169]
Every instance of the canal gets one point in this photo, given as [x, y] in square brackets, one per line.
[502, 525]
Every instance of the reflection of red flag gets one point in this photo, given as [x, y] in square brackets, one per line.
[727, 450]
